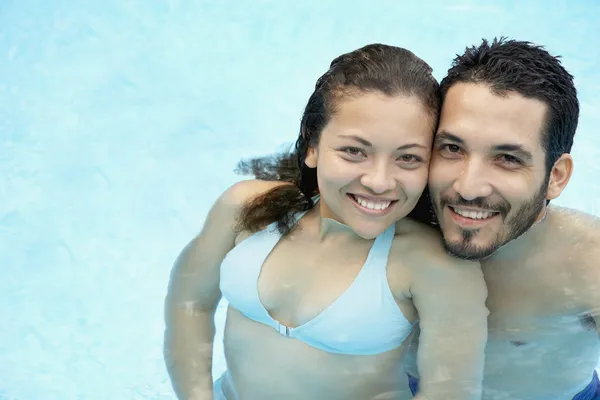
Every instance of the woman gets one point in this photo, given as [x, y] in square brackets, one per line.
[324, 273]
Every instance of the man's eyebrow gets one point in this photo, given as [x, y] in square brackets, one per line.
[445, 135]
[505, 147]
[513, 148]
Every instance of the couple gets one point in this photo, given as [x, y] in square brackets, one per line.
[340, 284]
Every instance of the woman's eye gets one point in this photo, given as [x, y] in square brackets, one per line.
[353, 151]
[409, 158]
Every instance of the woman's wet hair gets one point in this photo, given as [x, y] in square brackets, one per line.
[377, 68]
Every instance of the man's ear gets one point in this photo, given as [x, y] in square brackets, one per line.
[559, 176]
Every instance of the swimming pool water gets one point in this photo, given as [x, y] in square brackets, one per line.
[121, 122]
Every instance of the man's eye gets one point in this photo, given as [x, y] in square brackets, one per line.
[452, 148]
[509, 159]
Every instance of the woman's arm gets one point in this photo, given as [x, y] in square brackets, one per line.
[193, 295]
[450, 296]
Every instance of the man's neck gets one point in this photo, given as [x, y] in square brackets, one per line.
[519, 245]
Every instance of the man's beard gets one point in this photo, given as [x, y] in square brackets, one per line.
[524, 218]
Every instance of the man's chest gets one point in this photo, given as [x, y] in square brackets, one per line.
[535, 300]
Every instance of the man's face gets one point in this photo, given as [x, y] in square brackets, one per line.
[487, 176]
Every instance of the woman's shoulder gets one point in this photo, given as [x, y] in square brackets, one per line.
[420, 246]
[414, 237]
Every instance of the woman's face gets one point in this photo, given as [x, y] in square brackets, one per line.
[372, 160]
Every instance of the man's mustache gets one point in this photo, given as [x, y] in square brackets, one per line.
[478, 202]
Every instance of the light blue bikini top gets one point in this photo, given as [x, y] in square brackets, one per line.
[365, 319]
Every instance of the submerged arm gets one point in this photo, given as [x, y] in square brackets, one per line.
[190, 305]
[450, 296]
[589, 264]
[193, 294]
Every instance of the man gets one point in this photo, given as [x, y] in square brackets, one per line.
[501, 153]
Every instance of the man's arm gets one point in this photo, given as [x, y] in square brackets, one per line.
[589, 264]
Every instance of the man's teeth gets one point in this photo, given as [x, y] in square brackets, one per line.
[473, 214]
[372, 205]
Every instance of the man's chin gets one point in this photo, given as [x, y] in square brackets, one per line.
[469, 251]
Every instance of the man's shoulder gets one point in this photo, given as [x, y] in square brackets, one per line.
[575, 225]
[578, 236]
